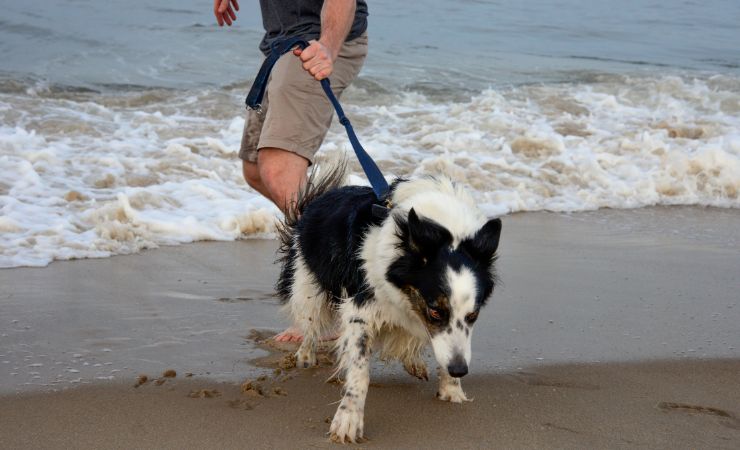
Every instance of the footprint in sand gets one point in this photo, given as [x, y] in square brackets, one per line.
[234, 299]
[247, 296]
[727, 418]
[534, 379]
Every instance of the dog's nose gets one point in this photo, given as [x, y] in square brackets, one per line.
[457, 367]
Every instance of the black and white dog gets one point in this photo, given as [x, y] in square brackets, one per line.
[392, 283]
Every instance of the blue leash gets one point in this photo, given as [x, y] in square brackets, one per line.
[257, 93]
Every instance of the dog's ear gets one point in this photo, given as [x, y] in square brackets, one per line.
[425, 235]
[484, 244]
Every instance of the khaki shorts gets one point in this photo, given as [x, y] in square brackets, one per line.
[295, 112]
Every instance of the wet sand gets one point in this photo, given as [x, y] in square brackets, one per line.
[613, 329]
[679, 404]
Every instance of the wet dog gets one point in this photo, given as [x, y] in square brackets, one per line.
[393, 282]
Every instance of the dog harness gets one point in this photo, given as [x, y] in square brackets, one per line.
[257, 93]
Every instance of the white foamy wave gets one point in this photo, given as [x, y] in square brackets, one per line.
[92, 175]
[619, 143]
[81, 179]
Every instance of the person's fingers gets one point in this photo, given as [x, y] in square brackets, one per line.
[323, 74]
[224, 10]
[321, 71]
[315, 60]
[216, 4]
[310, 62]
[308, 53]
[318, 52]
[318, 60]
[313, 65]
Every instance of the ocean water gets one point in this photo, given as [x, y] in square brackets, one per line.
[120, 122]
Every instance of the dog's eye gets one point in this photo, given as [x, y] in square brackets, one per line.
[472, 317]
[435, 314]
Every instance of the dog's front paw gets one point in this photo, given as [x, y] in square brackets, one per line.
[417, 369]
[452, 393]
[305, 357]
[347, 425]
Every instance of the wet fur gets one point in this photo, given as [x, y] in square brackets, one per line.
[380, 279]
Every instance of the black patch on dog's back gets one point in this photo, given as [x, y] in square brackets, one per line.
[330, 234]
[327, 227]
[318, 183]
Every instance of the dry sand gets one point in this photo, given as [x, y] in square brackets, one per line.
[614, 329]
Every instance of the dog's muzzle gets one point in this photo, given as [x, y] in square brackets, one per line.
[457, 367]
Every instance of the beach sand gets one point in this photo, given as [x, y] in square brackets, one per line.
[612, 329]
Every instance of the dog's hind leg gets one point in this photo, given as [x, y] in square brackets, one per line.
[310, 312]
[355, 346]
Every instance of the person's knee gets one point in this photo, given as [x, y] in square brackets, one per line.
[280, 167]
[281, 183]
[251, 174]
[282, 172]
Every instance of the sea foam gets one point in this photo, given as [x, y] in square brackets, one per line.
[92, 175]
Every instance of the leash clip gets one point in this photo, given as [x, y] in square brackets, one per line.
[382, 211]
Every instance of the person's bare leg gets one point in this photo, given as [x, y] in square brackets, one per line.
[282, 174]
[252, 177]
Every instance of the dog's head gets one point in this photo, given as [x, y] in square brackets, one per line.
[447, 281]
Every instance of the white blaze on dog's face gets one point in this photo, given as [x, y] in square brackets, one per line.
[446, 281]
[452, 345]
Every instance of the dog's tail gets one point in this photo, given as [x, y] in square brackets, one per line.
[321, 180]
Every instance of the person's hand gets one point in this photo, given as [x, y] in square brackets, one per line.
[318, 59]
[224, 11]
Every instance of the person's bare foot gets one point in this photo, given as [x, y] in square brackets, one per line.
[293, 334]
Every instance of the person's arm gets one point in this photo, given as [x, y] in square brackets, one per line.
[337, 17]
[224, 11]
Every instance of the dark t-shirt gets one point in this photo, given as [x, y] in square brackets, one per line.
[289, 18]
